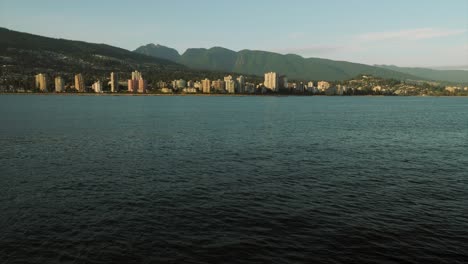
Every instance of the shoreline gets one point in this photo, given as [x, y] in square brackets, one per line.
[219, 95]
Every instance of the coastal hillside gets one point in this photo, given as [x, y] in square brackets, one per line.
[23, 55]
[27, 53]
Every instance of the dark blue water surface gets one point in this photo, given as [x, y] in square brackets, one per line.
[122, 179]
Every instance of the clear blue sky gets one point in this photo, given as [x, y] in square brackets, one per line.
[404, 33]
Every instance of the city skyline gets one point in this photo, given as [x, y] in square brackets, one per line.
[273, 83]
[429, 33]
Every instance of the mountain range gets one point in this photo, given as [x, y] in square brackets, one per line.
[294, 66]
[432, 74]
[23, 54]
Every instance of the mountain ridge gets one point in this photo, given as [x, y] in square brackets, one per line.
[431, 74]
[295, 66]
[29, 53]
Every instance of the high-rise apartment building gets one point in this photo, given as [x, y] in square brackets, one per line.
[137, 83]
[230, 84]
[132, 86]
[136, 75]
[114, 82]
[206, 86]
[79, 83]
[272, 81]
[241, 84]
[59, 84]
[142, 86]
[41, 82]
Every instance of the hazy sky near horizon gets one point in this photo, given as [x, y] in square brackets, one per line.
[403, 33]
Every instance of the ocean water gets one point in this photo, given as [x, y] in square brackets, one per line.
[122, 179]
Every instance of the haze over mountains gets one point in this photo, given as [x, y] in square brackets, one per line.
[294, 66]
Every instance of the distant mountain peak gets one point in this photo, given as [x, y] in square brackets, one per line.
[257, 62]
[159, 51]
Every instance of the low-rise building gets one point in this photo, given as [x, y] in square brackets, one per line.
[166, 90]
[189, 90]
[179, 84]
[323, 86]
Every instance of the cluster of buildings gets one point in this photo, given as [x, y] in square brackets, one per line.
[455, 89]
[229, 85]
[41, 83]
[273, 82]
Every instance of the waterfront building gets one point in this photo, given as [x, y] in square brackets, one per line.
[206, 86]
[341, 89]
[161, 85]
[218, 85]
[190, 84]
[79, 83]
[180, 84]
[189, 90]
[310, 84]
[137, 83]
[227, 78]
[241, 84]
[97, 87]
[229, 84]
[377, 88]
[283, 82]
[299, 88]
[271, 81]
[59, 84]
[249, 88]
[132, 86]
[136, 75]
[166, 90]
[197, 85]
[452, 89]
[41, 82]
[114, 82]
[323, 86]
[312, 89]
[142, 86]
